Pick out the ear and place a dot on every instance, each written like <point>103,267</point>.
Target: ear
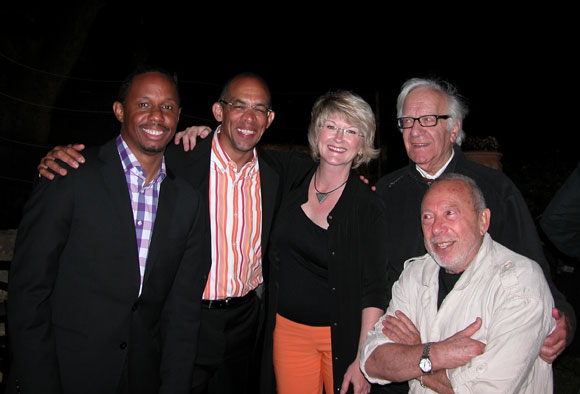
<point>455,132</point>
<point>218,111</point>
<point>484,220</point>
<point>271,117</point>
<point>118,110</point>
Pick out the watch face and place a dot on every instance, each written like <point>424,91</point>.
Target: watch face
<point>425,365</point>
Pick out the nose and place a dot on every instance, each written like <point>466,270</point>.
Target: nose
<point>339,135</point>
<point>156,114</point>
<point>249,114</point>
<point>417,129</point>
<point>438,226</point>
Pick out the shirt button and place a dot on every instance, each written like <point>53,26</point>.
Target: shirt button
<point>139,222</point>
<point>335,324</point>
<point>332,253</point>
<point>123,345</point>
<point>329,217</point>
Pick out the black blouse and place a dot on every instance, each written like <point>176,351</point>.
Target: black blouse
<point>303,294</point>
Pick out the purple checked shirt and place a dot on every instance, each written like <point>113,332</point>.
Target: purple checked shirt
<point>144,199</point>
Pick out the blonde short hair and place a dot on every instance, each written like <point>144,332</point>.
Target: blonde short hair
<point>354,110</point>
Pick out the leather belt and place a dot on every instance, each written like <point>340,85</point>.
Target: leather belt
<point>228,302</point>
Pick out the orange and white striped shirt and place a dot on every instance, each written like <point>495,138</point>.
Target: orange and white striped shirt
<point>235,210</point>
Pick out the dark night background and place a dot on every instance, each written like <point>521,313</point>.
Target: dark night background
<point>60,67</point>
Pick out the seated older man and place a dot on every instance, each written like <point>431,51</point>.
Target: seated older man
<point>475,326</point>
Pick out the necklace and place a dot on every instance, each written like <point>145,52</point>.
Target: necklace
<point>322,196</point>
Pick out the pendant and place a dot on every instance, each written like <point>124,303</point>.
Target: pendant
<point>321,197</point>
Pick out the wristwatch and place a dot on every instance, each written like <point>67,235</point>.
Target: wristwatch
<point>425,362</point>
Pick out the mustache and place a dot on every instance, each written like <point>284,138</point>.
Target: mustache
<point>440,240</point>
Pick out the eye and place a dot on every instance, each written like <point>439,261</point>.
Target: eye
<point>426,217</point>
<point>260,109</point>
<point>168,107</point>
<point>330,127</point>
<point>239,107</point>
<point>350,132</point>
<point>143,105</point>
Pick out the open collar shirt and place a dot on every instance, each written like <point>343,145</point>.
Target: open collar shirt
<point>144,200</point>
<point>510,294</point>
<point>235,209</point>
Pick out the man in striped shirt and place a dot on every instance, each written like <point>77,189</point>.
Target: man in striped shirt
<point>241,187</point>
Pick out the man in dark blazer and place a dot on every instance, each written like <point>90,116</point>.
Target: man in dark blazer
<point>228,350</point>
<point>102,301</point>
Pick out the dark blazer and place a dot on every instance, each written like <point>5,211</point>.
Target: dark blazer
<point>194,167</point>
<point>76,321</point>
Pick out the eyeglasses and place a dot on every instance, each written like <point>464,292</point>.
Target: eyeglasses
<point>345,132</point>
<point>241,107</point>
<point>407,122</point>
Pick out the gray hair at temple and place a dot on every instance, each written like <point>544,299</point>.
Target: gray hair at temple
<point>354,110</point>
<point>476,193</point>
<point>457,107</point>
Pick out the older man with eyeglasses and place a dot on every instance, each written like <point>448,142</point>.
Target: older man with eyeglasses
<point>430,117</point>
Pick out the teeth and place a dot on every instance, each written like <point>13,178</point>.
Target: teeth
<point>337,149</point>
<point>246,132</point>
<point>153,132</point>
<point>443,245</point>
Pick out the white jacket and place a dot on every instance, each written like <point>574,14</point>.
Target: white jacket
<point>508,291</point>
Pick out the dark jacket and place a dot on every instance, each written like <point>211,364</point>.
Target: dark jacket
<point>357,265</point>
<point>561,218</point>
<point>75,317</point>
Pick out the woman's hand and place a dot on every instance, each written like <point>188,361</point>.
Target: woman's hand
<point>354,375</point>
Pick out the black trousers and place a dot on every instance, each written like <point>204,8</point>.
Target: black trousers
<point>226,359</point>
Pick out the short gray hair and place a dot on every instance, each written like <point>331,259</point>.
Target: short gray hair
<point>457,106</point>
<point>476,194</point>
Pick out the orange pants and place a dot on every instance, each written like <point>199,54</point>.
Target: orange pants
<point>302,358</point>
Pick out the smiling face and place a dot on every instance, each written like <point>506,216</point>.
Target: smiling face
<point>429,147</point>
<point>452,229</point>
<point>150,114</point>
<point>338,147</point>
<point>242,129</point>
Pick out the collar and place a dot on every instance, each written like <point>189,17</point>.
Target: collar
<point>131,164</point>
<point>424,173</point>
<point>222,159</point>
<point>431,276</point>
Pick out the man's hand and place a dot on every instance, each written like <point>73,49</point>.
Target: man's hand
<point>354,375</point>
<point>438,382</point>
<point>189,135</point>
<point>400,329</point>
<point>68,154</point>
<point>555,343</point>
<point>365,180</point>
<point>458,349</point>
